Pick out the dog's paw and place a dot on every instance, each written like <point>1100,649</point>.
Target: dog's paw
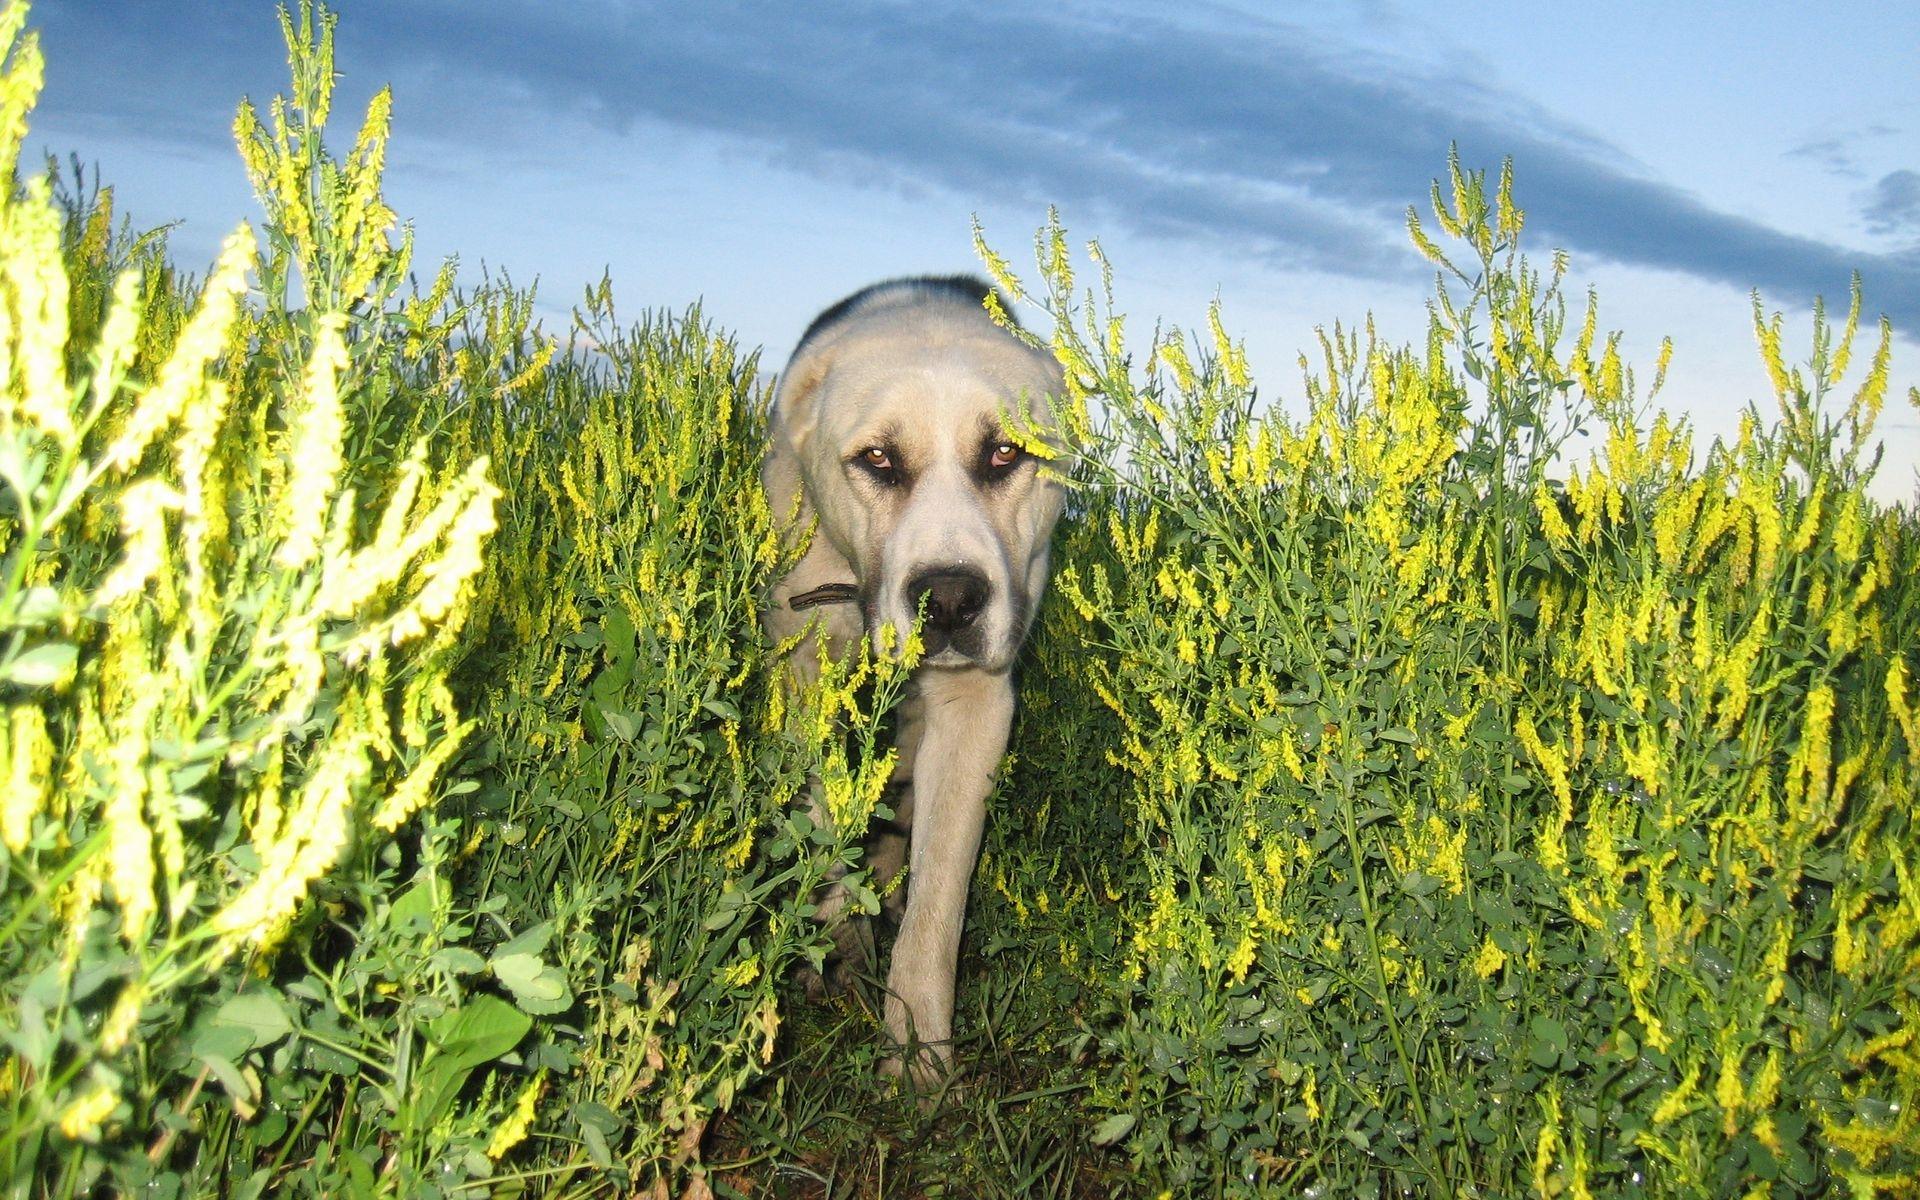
<point>851,957</point>
<point>835,978</point>
<point>925,1075</point>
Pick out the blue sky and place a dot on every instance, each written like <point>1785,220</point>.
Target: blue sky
<point>772,157</point>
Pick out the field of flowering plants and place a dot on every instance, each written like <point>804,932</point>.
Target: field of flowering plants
<point>1458,780</point>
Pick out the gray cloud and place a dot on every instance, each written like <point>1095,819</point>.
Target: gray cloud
<point>1838,153</point>
<point>1259,135</point>
<point>1834,155</point>
<point>1893,204</point>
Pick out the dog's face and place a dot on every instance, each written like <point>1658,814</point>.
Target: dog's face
<point>903,425</point>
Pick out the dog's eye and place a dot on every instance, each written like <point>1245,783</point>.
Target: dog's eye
<point>879,465</point>
<point>1003,455</point>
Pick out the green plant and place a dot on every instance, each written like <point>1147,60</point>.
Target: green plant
<point>1492,834</point>
<point>637,751</point>
<point>226,633</point>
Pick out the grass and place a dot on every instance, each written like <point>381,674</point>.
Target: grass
<point>823,1125</point>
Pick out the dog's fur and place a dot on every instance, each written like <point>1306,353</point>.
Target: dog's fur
<point>891,426</point>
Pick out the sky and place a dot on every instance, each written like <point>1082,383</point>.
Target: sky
<point>767,158</point>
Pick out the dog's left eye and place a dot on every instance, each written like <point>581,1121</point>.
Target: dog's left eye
<point>1003,455</point>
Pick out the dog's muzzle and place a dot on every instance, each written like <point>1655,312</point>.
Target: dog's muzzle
<point>950,600</point>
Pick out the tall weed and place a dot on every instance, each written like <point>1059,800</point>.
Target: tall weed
<point>1492,834</point>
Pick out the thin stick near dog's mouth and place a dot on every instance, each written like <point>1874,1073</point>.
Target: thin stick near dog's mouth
<point>826,593</point>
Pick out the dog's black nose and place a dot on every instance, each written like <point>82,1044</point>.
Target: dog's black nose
<point>951,597</point>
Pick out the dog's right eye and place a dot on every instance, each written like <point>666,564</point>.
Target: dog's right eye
<point>879,464</point>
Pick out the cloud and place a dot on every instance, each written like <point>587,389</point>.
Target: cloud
<point>1838,153</point>
<point>1893,204</point>
<point>1255,134</point>
<point>1834,155</point>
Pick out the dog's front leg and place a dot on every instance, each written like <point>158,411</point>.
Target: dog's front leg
<point>965,715</point>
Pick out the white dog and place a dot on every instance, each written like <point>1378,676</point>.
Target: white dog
<point>891,425</point>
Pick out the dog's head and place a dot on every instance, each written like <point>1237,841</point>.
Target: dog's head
<point>904,410</point>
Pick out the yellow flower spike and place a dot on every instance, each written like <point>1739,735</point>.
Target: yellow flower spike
<point>1865,405</point>
<point>25,768</point>
<point>314,455</point>
<point>411,793</point>
<point>81,1119</point>
<point>25,73</point>
<point>119,339</point>
<point>1490,959</point>
<point>513,1130</point>
<point>1848,529</point>
<point>1678,1101</point>
<point>118,1025</point>
<point>449,578</point>
<point>1768,334</point>
<point>1809,525</point>
<point>1728,1091</point>
<point>1552,523</point>
<point>33,281</point>
<point>1241,959</point>
<point>1421,242</point>
<point>143,523</point>
<point>1904,712</point>
<point>129,840</point>
<point>1547,1142</point>
<point>183,375</point>
<point>307,841</point>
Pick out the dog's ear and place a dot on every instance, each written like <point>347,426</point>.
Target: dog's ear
<point>796,410</point>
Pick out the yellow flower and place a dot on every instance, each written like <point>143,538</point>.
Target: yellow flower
<point>407,798</point>
<point>314,453</point>
<point>184,372</point>
<point>1728,1092</point>
<point>1675,1102</point>
<point>120,1020</point>
<point>1241,959</point>
<point>1903,712</point>
<point>514,1130</point>
<point>129,842</point>
<point>28,762</point>
<point>1489,960</point>
<point>81,1118</point>
<point>143,523</point>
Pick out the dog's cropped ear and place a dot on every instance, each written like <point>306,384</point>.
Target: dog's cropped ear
<point>796,410</point>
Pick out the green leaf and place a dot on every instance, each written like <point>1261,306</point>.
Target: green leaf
<point>531,940</point>
<point>326,1058</point>
<point>536,987</point>
<point>597,1148</point>
<point>38,606</point>
<point>619,639</point>
<point>42,666</point>
<point>459,960</point>
<point>417,903</point>
<point>260,1013</point>
<point>1112,1129</point>
<point>618,723</point>
<point>238,1084</point>
<point>478,1031</point>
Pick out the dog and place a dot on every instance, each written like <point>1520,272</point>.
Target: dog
<point>904,424</point>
